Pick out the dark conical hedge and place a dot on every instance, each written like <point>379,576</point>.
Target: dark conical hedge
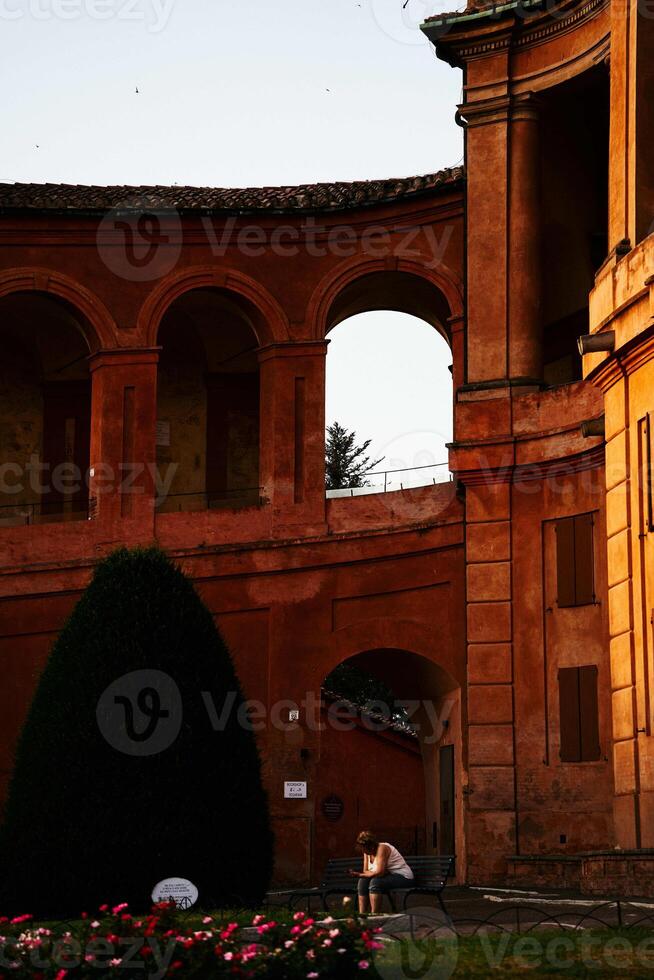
<point>95,815</point>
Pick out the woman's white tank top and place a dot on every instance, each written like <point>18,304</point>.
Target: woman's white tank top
<point>395,865</point>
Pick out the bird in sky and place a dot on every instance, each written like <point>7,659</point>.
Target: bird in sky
<point>137,90</point>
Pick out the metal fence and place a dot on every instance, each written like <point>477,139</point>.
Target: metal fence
<point>403,479</point>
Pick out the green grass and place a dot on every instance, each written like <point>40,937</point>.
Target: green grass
<point>598,953</point>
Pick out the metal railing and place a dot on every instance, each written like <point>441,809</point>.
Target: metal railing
<point>199,500</point>
<point>20,515</point>
<point>442,475</point>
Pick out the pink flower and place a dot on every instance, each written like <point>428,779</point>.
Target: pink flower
<point>228,956</point>
<point>334,933</point>
<point>207,919</point>
<point>363,964</point>
<point>298,916</point>
<point>312,975</point>
<point>289,943</point>
<point>257,919</point>
<point>61,975</point>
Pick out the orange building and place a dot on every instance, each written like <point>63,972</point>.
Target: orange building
<point>171,343</point>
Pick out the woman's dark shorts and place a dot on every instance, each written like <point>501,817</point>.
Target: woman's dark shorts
<point>383,884</point>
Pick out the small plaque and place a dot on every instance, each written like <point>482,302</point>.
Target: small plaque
<point>162,433</point>
<point>294,714</point>
<point>178,890</point>
<point>332,808</point>
<point>295,791</point>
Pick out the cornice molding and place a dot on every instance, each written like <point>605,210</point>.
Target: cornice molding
<point>517,32</point>
<point>518,473</point>
<point>625,361</point>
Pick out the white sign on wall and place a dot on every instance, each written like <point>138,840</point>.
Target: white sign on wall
<point>295,791</point>
<point>178,890</point>
<point>163,432</point>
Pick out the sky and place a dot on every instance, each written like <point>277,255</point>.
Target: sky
<point>246,92</point>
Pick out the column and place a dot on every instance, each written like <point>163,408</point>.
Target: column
<point>631,174</point>
<point>123,419</point>
<point>524,245</point>
<point>491,802</point>
<point>293,436</point>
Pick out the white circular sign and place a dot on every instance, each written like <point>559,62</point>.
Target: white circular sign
<point>178,890</point>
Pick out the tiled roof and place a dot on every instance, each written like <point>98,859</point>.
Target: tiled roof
<point>304,197</point>
<point>479,7</point>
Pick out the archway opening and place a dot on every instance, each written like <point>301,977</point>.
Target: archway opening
<point>390,756</point>
<point>45,410</point>
<point>389,380</point>
<point>208,403</point>
<point>574,202</point>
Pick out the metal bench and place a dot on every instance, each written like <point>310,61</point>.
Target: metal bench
<point>430,875</point>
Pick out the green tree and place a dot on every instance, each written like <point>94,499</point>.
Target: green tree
<point>346,463</point>
<point>364,690</point>
<point>123,777</point>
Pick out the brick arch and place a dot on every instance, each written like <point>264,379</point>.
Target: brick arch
<point>387,633</point>
<point>348,273</point>
<point>271,324</point>
<point>96,323</point>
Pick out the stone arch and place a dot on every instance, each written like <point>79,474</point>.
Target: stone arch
<point>387,633</point>
<point>322,305</point>
<point>96,323</point>
<point>417,663</point>
<point>269,322</point>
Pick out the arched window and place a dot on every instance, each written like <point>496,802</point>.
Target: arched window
<point>45,411</point>
<point>208,404</point>
<point>389,378</point>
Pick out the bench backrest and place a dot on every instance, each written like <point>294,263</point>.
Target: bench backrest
<point>429,870</point>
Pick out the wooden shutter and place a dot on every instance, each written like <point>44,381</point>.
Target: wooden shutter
<point>575,561</point>
<point>584,570</point>
<point>579,715</point>
<point>588,713</point>
<point>570,721</point>
<point>565,562</point>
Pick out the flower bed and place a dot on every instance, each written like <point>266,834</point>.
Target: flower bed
<point>116,944</point>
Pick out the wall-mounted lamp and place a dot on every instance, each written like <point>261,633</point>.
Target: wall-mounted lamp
<point>592,343</point>
<point>593,427</point>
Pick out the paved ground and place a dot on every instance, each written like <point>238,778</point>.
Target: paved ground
<point>517,910</point>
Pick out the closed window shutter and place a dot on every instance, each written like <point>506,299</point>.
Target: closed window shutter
<point>569,714</point>
<point>590,747</point>
<point>584,571</point>
<point>575,571</point>
<point>565,562</point>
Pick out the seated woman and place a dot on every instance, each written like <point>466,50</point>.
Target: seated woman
<point>384,868</point>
